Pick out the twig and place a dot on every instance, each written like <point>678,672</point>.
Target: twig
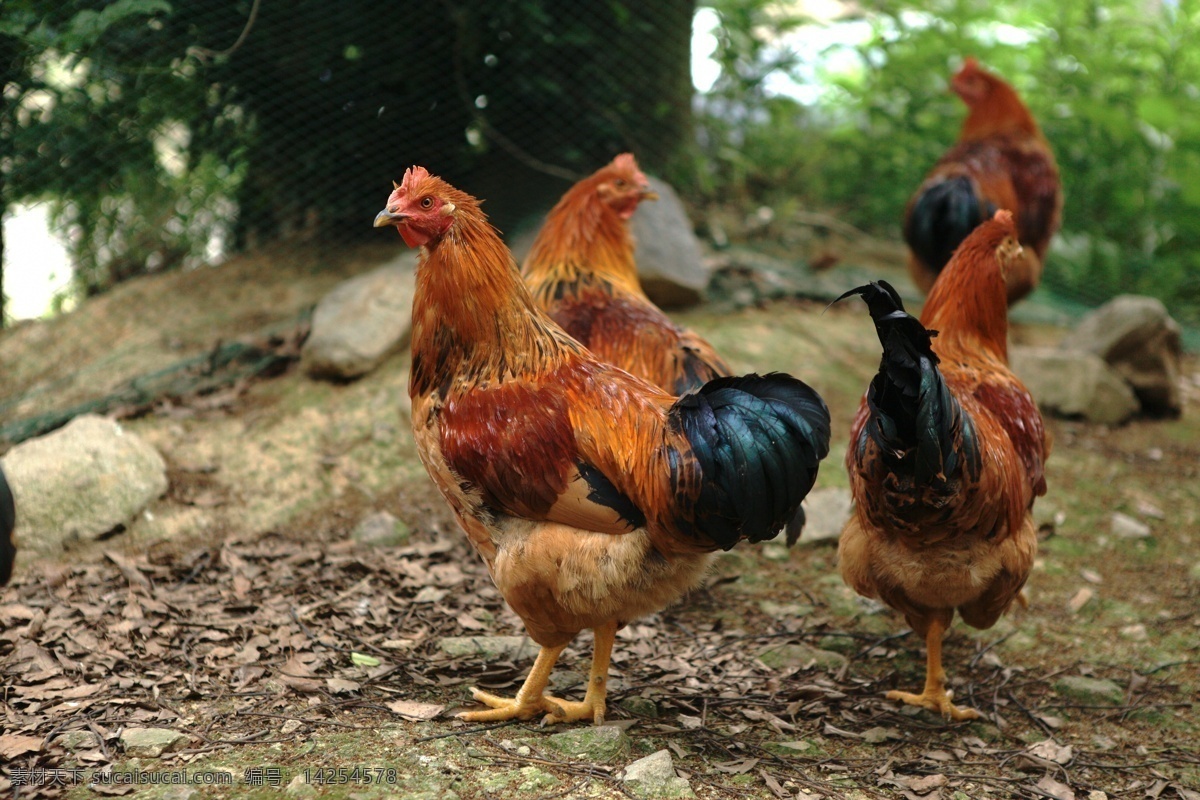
<point>203,52</point>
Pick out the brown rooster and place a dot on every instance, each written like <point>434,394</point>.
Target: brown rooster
<point>1001,160</point>
<point>593,496</point>
<point>582,271</point>
<point>946,456</point>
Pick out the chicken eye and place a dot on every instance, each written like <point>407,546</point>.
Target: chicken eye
<point>426,202</point>
<point>619,183</point>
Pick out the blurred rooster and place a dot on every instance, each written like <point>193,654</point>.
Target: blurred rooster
<point>593,496</point>
<point>946,456</point>
<point>1001,160</point>
<point>8,519</point>
<point>582,272</point>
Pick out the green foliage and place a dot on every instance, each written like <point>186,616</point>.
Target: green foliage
<point>1114,87</point>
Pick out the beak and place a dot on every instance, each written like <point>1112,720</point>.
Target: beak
<point>649,194</point>
<point>385,218</point>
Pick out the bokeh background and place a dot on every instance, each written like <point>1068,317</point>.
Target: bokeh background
<point>146,135</point>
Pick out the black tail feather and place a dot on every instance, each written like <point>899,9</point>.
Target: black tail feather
<point>915,420</point>
<point>8,518</point>
<point>942,216</point>
<point>758,442</point>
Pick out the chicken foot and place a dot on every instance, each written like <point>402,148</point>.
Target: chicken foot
<point>532,700</point>
<point>935,697</point>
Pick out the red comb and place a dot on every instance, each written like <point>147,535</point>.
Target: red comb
<point>412,176</point>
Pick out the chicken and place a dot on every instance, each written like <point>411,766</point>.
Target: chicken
<point>1001,160</point>
<point>8,519</point>
<point>946,456</point>
<point>593,496</point>
<point>582,272</point>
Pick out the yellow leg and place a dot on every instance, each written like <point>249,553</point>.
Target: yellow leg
<point>530,700</point>
<point>935,697</point>
<point>593,705</point>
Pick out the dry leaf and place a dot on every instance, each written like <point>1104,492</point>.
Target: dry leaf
<point>13,745</point>
<point>689,722</point>
<point>342,686</point>
<point>1052,751</point>
<point>1059,791</point>
<point>296,675</point>
<point>410,710</point>
<point>926,784</point>
<point>737,767</point>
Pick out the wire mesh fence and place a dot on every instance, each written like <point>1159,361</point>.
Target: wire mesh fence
<point>158,135</point>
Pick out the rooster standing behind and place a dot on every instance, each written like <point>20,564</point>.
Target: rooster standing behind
<point>1001,160</point>
<point>582,272</point>
<point>593,496</point>
<point>946,456</point>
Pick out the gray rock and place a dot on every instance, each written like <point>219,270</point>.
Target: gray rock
<point>1141,341</point>
<point>361,321</point>
<point>601,745</point>
<point>75,741</point>
<point>802,656</point>
<point>826,513</point>
<point>1089,690</point>
<point>179,793</point>
<point>1126,527</point>
<point>151,742</point>
<point>670,262</point>
<point>81,482</point>
<point>380,529</point>
<point>671,265</point>
<point>640,706</point>
<point>490,647</point>
<point>654,776</point>
<point>1074,384</point>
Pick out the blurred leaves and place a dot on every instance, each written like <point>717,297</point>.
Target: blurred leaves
<point>1115,87</point>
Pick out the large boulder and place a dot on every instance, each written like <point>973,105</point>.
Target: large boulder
<point>362,321</point>
<point>81,482</point>
<point>670,262</point>
<point>1140,340</point>
<point>671,265</point>
<point>1074,384</point>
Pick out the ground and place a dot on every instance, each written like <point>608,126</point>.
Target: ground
<point>242,613</point>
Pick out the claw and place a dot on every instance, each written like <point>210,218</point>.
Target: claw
<point>938,702</point>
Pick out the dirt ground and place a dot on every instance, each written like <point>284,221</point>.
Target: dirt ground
<point>295,659</point>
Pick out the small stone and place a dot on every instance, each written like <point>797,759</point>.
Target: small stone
<point>802,656</point>
<point>1126,527</point>
<point>1081,599</point>
<point>1147,509</point>
<point>654,776</point>
<point>826,513</point>
<point>489,647</point>
<point>601,745</point>
<point>300,787</point>
<point>74,741</point>
<point>1090,575</point>
<point>380,529</point>
<point>640,706</point>
<point>179,793</point>
<point>151,742</point>
<point>775,551</point>
<point>290,727</point>
<point>524,750</point>
<point>1096,794</point>
<point>1134,633</point>
<point>1090,690</point>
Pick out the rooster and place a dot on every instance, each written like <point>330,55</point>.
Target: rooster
<point>1001,160</point>
<point>8,519</point>
<point>582,272</point>
<point>593,496</point>
<point>946,456</point>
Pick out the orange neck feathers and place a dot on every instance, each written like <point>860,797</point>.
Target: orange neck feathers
<point>583,236</point>
<point>994,105</point>
<point>968,304</point>
<point>472,314</point>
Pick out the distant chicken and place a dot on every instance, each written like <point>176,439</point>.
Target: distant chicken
<point>582,272</point>
<point>946,456</point>
<point>1001,160</point>
<point>8,519</point>
<point>592,496</point>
